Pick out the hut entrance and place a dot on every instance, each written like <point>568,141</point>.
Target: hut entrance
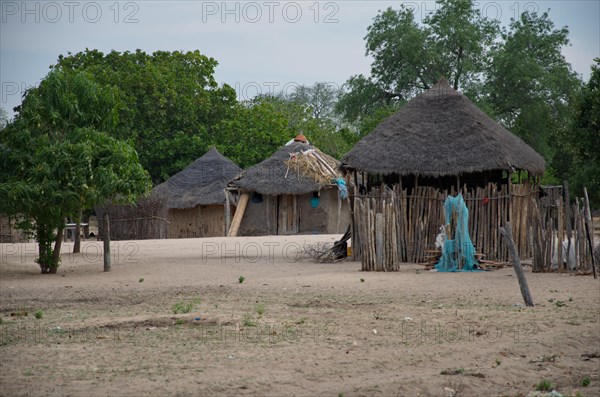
<point>287,214</point>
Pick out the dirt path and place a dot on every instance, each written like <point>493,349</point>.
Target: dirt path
<point>291,328</point>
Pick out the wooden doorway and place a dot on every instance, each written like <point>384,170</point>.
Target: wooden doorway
<point>288,217</point>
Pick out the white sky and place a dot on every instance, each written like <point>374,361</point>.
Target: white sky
<point>258,44</point>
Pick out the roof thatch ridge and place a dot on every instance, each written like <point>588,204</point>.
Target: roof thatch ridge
<point>269,176</point>
<point>441,132</point>
<point>201,183</point>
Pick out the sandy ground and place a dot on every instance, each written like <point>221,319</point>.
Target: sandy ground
<point>291,328</point>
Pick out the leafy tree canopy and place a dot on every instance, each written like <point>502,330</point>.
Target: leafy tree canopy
<point>56,160</point>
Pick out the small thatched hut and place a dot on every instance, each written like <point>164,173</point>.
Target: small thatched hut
<point>292,192</point>
<point>195,197</point>
<point>440,143</point>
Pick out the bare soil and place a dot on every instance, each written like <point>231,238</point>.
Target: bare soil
<point>290,328</point>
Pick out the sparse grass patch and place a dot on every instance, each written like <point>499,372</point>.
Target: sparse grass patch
<point>260,309</point>
<point>544,385</point>
<point>585,382</point>
<point>39,313</point>
<point>182,307</point>
<point>248,320</point>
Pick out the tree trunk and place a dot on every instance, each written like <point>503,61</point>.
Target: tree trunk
<point>106,240</point>
<point>56,252</point>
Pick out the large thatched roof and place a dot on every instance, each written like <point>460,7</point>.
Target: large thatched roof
<point>202,183</point>
<point>441,132</point>
<point>276,175</point>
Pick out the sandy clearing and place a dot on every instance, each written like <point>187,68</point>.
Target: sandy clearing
<point>291,328</point>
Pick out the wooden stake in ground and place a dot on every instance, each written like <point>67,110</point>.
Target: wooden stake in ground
<point>506,232</point>
<point>590,237</point>
<point>106,240</point>
<point>239,214</point>
<point>569,264</point>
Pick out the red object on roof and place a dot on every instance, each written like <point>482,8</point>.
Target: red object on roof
<point>300,138</point>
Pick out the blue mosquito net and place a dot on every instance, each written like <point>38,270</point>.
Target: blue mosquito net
<point>458,254</point>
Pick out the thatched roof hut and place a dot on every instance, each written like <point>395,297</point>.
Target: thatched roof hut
<point>441,133</point>
<point>278,175</point>
<point>292,192</point>
<point>202,183</point>
<point>195,197</point>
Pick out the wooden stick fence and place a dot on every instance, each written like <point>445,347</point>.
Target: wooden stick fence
<point>144,220</point>
<point>393,226</point>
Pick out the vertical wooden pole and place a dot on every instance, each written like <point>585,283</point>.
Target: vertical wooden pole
<point>589,229</point>
<point>227,212</point>
<point>568,217</point>
<point>77,243</point>
<point>106,240</point>
<point>507,234</point>
<point>559,233</point>
<point>379,225</point>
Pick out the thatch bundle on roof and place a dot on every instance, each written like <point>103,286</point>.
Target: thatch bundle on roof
<point>297,168</point>
<point>300,194</point>
<point>441,132</point>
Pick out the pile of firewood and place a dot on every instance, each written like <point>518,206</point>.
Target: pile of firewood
<point>432,257</point>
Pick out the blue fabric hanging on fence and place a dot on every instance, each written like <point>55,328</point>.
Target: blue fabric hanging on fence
<point>460,250</point>
<point>343,190</point>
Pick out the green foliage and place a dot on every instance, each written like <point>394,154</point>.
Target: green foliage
<point>585,382</point>
<point>453,42</point>
<point>530,85</point>
<point>55,160</point>
<point>39,313</point>
<point>241,279</point>
<point>3,118</point>
<point>182,307</point>
<point>579,157</point>
<point>254,133</point>
<point>248,320</point>
<point>545,385</point>
<point>168,102</point>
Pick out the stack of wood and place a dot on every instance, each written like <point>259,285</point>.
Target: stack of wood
<point>432,257</point>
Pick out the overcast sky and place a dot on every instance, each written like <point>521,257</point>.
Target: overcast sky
<point>260,45</point>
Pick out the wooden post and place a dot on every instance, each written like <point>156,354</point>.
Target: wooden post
<point>588,226</point>
<point>559,233</point>
<point>379,225</point>
<point>106,240</point>
<point>239,214</point>
<point>227,212</point>
<point>77,244</point>
<point>506,232</point>
<point>538,256</point>
<point>568,217</point>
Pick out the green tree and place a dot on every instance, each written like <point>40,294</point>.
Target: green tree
<point>3,118</point>
<point>56,160</point>
<point>531,86</point>
<point>454,42</point>
<point>579,151</point>
<point>297,114</point>
<point>169,103</point>
<point>320,97</point>
<point>258,129</point>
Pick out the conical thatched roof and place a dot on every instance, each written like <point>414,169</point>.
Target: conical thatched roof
<point>269,176</point>
<point>441,132</point>
<point>202,183</point>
